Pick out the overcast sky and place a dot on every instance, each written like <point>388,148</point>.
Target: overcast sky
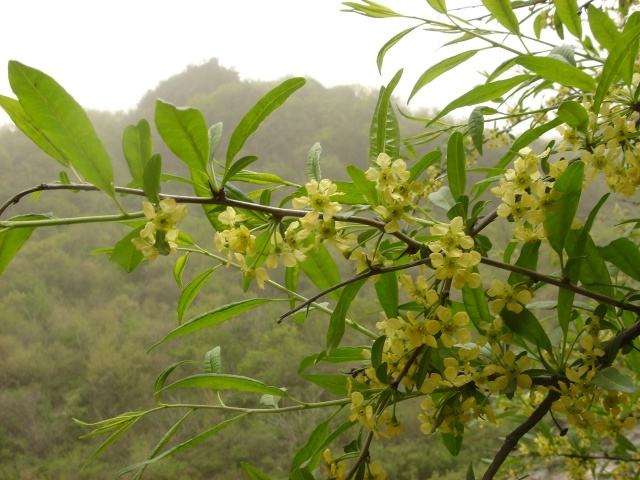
<point>108,54</point>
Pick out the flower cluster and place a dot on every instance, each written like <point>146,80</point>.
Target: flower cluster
<point>159,235</point>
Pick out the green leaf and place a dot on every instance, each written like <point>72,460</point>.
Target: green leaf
<point>503,13</point>
<point>313,162</point>
<point>377,349</point>
<point>178,268</point>
<point>384,133</point>
<point>603,28</point>
<point>192,442</point>
<point>568,10</point>
<point>166,438</point>
<point>337,321</point>
<point>574,115</point>
<point>310,448</point>
<point>433,72</point>
<point>185,133</point>
<point>470,473</point>
<point>387,291</point>
<point>615,60</point>
<point>527,326</point>
<point>190,292</point>
<point>452,442</point>
<point>253,473</point>
<point>390,43</point>
<point>624,254</point>
<point>439,6</point>
<point>566,197</point>
<point>213,317</point>
<point>483,93</point>
<point>442,198</point>
<point>555,70</point>
<point>528,259</point>
<point>136,146</point>
<point>161,379</point>
<point>125,254</point>
<point>425,162</point>
<point>214,134</point>
<point>237,167</point>
<point>334,384</point>
<point>365,186</point>
<point>456,164</point>
<point>611,378</point>
<point>12,240</point>
<point>476,128</point>
<point>476,305</point>
<point>213,360</point>
<point>593,271</point>
<point>151,178</point>
<point>258,113</point>
<point>219,381</point>
<point>21,120</point>
<point>59,118</point>
<point>121,430</point>
<point>321,269</point>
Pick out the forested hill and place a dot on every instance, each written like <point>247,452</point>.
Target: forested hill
<point>74,328</point>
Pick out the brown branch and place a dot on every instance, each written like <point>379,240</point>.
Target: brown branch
<point>219,199</point>
<point>367,274</point>
<point>482,224</point>
<point>613,458</point>
<point>562,284</point>
<point>514,437</point>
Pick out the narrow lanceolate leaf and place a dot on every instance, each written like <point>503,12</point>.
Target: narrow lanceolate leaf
<point>612,379</point>
<point>21,120</point>
<point>616,59</point>
<point>456,165</point>
<point>365,186</point>
<point>476,128</point>
<point>555,70</point>
<point>215,134</point>
<point>11,241</point>
<point>567,10</point>
<point>566,197</point>
<point>151,178</point>
<point>60,119</point>
<point>253,473</point>
<point>236,167</point>
<point>476,305</point>
<point>217,381</point>
<point>185,133</point>
<point>213,317</point>
<point>439,6</point>
<point>574,115</point>
<point>439,68</point>
<point>387,292</point>
<point>321,269</point>
<point>178,268</point>
<point>136,146</point>
<point>192,442</point>
<point>191,291</point>
<point>337,321</point>
<point>213,360</point>
<point>313,162</point>
<point>125,254</point>
<point>603,28</point>
<point>384,133</point>
<point>483,93</point>
<point>258,113</point>
<point>622,253</point>
<point>390,43</point>
<point>503,13</point>
<point>527,326</point>
<point>311,448</point>
<point>528,259</point>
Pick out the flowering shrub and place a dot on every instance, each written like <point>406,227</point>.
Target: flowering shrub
<point>470,329</point>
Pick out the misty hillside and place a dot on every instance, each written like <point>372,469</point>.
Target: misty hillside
<point>74,328</point>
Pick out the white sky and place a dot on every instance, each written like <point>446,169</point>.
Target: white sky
<point>108,54</point>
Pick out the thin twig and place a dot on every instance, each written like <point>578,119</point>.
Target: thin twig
<point>514,437</point>
<point>562,284</point>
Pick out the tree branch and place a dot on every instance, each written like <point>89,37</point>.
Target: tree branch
<point>219,199</point>
<point>514,437</point>
<point>562,284</point>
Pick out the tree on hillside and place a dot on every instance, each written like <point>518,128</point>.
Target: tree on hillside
<point>538,330</point>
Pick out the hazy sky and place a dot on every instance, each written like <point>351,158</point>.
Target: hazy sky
<point>108,54</point>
